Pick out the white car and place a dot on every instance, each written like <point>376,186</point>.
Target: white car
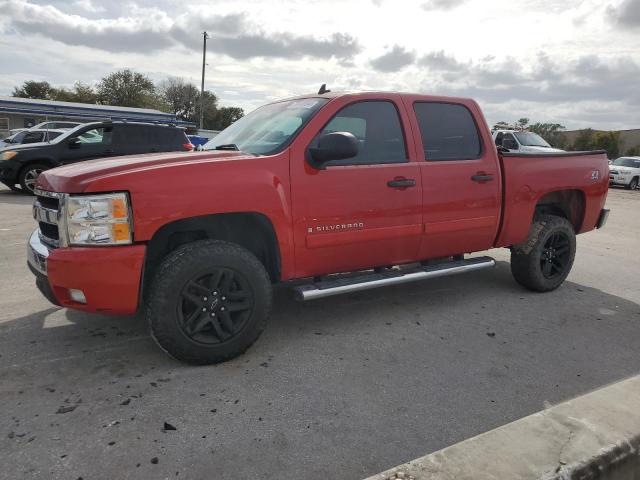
<point>31,136</point>
<point>625,171</point>
<point>522,142</point>
<point>55,125</point>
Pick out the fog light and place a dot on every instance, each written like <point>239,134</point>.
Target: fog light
<point>77,295</point>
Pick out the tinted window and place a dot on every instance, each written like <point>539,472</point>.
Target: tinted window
<point>376,126</point>
<point>448,131</point>
<point>509,142</point>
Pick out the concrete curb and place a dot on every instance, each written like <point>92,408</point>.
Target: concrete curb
<point>593,436</point>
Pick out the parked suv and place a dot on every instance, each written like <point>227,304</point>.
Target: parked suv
<point>625,171</point>
<point>21,164</point>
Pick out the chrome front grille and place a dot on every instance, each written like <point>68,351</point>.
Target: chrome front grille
<point>47,211</point>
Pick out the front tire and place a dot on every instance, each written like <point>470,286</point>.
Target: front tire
<point>633,184</point>
<point>29,176</point>
<point>544,261</point>
<point>209,301</point>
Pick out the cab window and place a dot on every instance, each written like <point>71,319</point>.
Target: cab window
<point>376,125</point>
<point>448,131</point>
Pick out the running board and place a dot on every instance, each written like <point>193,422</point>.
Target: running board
<point>327,288</point>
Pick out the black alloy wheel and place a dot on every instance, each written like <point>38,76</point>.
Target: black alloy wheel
<point>544,260</point>
<point>208,301</point>
<point>556,255</point>
<point>216,306</point>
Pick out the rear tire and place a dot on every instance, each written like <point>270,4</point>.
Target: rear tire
<point>544,261</point>
<point>209,301</point>
<point>29,175</point>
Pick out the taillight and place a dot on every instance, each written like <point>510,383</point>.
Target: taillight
<point>188,147</point>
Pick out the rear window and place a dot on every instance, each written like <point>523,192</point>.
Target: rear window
<point>448,131</point>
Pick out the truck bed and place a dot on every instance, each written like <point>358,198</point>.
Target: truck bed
<point>529,178</point>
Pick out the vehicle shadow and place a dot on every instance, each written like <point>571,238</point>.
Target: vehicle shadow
<point>397,372</point>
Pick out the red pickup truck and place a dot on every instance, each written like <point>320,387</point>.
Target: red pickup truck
<point>339,192</point>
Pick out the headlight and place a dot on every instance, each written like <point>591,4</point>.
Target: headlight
<point>98,219</point>
<point>7,155</point>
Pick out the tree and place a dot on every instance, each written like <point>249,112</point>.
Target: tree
<point>609,141</point>
<point>181,97</point>
<point>502,126</point>
<point>551,132</point>
<point>33,89</point>
<point>522,123</point>
<point>226,116</point>
<point>586,140</point>
<point>210,110</point>
<point>81,93</point>
<point>126,88</point>
<point>633,151</point>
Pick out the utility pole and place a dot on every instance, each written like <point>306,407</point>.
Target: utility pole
<point>204,60</point>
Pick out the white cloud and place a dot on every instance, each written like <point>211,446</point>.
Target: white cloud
<point>88,6</point>
<point>550,60</point>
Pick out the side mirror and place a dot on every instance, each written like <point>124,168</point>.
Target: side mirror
<point>334,146</point>
<point>74,142</point>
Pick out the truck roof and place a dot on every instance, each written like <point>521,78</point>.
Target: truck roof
<point>366,93</point>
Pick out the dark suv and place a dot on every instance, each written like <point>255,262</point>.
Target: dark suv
<point>21,164</point>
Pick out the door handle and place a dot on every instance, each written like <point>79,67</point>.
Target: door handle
<point>481,177</point>
<point>400,182</point>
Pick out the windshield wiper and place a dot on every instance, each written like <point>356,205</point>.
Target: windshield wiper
<point>227,146</point>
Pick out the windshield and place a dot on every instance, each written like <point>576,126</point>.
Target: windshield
<point>627,162</point>
<point>268,129</point>
<point>529,139</point>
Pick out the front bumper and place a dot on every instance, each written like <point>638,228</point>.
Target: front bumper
<point>109,277</point>
<point>620,179</point>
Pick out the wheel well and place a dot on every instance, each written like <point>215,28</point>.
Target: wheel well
<point>31,162</point>
<point>252,231</point>
<point>569,204</point>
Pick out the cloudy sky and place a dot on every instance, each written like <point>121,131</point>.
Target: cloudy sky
<point>576,62</point>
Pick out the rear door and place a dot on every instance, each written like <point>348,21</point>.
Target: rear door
<point>359,212</point>
<point>460,176</point>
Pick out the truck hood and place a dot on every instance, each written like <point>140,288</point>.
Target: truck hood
<point>76,178</point>
<point>20,147</point>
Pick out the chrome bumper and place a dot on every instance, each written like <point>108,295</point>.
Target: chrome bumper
<point>37,253</point>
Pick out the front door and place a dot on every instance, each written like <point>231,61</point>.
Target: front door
<point>91,143</point>
<point>363,211</point>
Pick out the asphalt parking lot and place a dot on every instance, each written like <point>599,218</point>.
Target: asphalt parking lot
<point>337,388</point>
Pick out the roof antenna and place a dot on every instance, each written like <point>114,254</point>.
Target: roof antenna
<point>323,89</point>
